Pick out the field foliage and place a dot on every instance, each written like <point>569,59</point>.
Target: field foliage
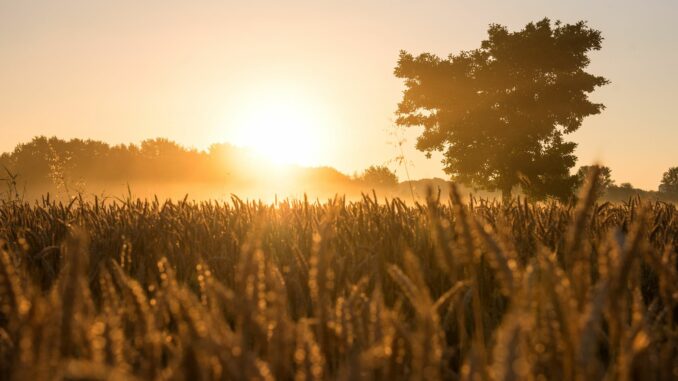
<point>144,289</point>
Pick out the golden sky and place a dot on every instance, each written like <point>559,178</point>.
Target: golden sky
<point>209,71</point>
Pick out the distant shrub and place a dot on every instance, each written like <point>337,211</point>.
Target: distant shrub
<point>379,176</point>
<point>604,179</point>
<point>669,183</point>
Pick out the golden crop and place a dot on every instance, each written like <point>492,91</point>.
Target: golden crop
<point>297,290</point>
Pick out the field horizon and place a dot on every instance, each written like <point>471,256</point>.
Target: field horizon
<point>64,169</point>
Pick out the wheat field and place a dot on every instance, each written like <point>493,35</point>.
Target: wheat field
<point>373,289</point>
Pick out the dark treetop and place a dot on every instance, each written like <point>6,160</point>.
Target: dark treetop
<point>498,113</point>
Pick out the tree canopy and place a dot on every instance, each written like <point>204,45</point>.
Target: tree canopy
<point>669,183</point>
<point>499,113</point>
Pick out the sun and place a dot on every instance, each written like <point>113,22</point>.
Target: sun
<point>283,126</point>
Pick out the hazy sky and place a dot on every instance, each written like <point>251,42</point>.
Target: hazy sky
<point>200,72</point>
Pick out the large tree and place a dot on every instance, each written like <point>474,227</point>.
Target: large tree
<point>498,113</point>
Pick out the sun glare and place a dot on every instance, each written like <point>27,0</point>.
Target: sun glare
<point>284,127</point>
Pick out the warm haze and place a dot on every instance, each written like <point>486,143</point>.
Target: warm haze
<point>209,71</point>
<point>338,190</point>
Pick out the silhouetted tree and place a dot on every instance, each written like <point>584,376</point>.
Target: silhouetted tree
<point>669,183</point>
<point>379,176</point>
<point>498,113</point>
<point>604,174</point>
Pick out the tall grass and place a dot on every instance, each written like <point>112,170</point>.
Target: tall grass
<point>296,290</point>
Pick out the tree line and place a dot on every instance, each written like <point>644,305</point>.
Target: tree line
<point>73,164</point>
<point>42,159</point>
